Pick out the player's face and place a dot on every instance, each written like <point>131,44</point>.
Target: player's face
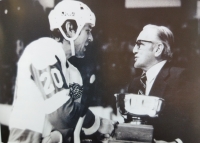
<point>144,49</point>
<point>83,40</point>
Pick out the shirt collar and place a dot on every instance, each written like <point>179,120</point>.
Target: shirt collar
<point>154,70</point>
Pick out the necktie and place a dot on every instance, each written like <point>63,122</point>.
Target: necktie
<point>143,79</point>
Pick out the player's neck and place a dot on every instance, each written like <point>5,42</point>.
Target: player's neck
<point>67,49</point>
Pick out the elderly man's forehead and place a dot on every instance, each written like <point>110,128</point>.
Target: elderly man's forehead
<point>148,34</point>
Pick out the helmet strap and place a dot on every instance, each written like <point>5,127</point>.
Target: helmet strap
<point>70,40</point>
<point>72,47</point>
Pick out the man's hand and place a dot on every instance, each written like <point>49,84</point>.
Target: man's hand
<point>161,141</point>
<point>54,137</point>
<point>106,129</point>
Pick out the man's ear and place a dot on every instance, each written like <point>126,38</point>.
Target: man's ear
<point>158,50</point>
<point>70,29</point>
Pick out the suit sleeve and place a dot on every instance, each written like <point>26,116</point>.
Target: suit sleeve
<point>180,110</point>
<point>188,102</point>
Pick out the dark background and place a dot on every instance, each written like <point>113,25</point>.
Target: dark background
<point>110,56</point>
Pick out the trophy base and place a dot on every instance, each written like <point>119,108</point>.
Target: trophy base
<point>130,133</point>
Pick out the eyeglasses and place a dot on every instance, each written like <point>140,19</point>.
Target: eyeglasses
<point>139,42</point>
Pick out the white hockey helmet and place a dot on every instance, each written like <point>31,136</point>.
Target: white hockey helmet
<point>71,10</point>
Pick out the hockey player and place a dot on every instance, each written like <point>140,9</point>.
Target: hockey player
<point>48,92</point>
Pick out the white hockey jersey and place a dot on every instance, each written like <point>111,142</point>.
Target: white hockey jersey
<point>43,84</point>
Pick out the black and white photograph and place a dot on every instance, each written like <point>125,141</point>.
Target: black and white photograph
<point>99,71</point>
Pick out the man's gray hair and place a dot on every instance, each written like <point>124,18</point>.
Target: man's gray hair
<point>167,38</point>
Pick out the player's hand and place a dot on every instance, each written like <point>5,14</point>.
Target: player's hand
<point>54,137</point>
<point>106,129</point>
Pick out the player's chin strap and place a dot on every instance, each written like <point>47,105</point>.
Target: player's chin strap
<point>72,47</point>
<point>71,40</point>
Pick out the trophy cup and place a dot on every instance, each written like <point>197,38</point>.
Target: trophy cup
<point>135,109</point>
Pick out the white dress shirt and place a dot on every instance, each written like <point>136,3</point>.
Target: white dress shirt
<point>151,75</point>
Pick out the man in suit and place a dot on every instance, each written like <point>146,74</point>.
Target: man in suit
<point>153,53</point>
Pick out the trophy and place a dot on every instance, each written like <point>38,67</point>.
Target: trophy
<point>136,109</point>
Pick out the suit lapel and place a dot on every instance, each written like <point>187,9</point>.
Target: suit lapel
<point>160,83</point>
<point>134,86</point>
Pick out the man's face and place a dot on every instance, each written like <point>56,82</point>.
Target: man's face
<point>144,49</point>
<point>83,40</point>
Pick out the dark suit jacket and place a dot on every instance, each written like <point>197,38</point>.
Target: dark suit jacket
<point>175,119</point>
